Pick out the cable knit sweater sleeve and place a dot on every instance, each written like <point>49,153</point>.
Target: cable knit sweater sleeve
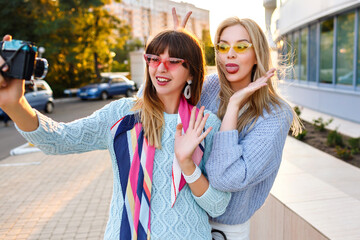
<point>213,201</point>
<point>82,135</point>
<point>237,162</point>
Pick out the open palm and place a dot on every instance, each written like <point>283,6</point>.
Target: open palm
<point>240,96</point>
<point>185,144</point>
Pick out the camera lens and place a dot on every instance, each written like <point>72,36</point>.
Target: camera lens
<point>41,68</point>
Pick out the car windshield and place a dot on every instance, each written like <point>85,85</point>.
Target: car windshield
<point>104,80</point>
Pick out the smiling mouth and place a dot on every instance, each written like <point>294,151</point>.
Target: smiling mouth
<point>160,79</point>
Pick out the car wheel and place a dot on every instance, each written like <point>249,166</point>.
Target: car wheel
<point>49,108</point>
<point>129,93</point>
<point>104,96</point>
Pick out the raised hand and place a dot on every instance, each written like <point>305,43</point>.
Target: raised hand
<point>185,144</point>
<point>176,21</point>
<point>239,97</point>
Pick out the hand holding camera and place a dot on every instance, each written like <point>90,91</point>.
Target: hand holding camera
<point>21,63</point>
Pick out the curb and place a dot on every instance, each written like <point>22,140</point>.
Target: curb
<point>24,149</point>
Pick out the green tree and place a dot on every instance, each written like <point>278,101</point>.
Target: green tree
<point>78,36</point>
<point>208,47</point>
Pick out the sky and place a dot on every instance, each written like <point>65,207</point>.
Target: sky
<point>221,9</point>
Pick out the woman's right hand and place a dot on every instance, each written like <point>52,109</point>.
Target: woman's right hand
<point>11,90</point>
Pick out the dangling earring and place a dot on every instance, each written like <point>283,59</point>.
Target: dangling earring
<point>187,90</point>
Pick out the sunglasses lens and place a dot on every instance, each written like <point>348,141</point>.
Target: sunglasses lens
<point>223,47</point>
<point>152,60</point>
<point>170,63</point>
<point>241,47</point>
<point>173,63</point>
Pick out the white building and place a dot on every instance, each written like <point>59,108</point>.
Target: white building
<point>322,36</point>
<point>148,17</point>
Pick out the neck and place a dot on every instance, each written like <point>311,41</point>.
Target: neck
<point>171,103</point>
<point>243,83</point>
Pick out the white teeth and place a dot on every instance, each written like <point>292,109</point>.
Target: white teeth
<point>163,79</point>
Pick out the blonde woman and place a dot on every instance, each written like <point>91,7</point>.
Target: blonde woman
<point>150,194</point>
<point>247,150</point>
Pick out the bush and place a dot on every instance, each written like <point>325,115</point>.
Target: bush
<point>335,139</point>
<point>297,110</point>
<point>343,153</point>
<point>320,124</point>
<point>354,144</point>
<point>301,136</point>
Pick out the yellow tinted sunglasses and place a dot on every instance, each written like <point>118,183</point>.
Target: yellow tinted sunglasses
<point>239,47</point>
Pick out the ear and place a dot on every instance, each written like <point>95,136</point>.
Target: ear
<point>190,77</point>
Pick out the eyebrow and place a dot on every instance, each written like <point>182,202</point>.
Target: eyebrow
<point>241,40</point>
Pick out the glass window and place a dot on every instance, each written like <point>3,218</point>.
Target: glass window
<point>312,53</point>
<point>358,58</point>
<point>117,80</point>
<point>40,86</point>
<point>295,53</point>
<point>29,87</point>
<point>345,49</point>
<point>282,58</point>
<point>303,59</point>
<point>326,50</point>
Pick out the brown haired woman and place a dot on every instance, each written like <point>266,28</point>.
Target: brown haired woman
<point>150,194</point>
<point>247,151</point>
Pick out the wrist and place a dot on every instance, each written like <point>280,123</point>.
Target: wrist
<point>234,104</point>
<point>195,175</point>
<point>188,167</point>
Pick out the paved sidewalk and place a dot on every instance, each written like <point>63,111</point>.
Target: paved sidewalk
<point>55,197</point>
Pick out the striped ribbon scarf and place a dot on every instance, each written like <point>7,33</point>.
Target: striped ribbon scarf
<point>136,172</point>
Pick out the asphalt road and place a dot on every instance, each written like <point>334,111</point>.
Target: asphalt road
<point>66,110</point>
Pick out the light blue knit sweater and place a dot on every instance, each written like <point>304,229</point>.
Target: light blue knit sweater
<point>188,218</point>
<point>245,163</point>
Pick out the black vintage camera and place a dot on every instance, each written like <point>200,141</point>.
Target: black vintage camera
<point>21,57</point>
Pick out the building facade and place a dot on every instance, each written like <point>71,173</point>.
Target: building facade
<point>148,17</point>
<point>320,40</point>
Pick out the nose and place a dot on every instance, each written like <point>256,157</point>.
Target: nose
<point>162,67</point>
<point>231,54</point>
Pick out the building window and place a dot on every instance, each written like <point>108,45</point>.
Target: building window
<point>295,54</point>
<point>345,49</point>
<point>303,57</point>
<point>164,19</point>
<point>312,53</point>
<point>326,50</point>
<point>358,53</point>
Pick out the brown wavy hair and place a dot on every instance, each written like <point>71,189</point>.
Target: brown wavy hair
<point>180,44</point>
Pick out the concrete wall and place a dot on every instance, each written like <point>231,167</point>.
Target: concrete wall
<point>137,67</point>
<point>294,14</point>
<point>275,221</point>
<point>342,104</point>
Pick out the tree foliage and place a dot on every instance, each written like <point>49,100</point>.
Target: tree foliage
<point>208,48</point>
<point>78,36</point>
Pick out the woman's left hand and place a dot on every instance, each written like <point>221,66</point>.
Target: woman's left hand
<point>239,97</point>
<point>185,144</point>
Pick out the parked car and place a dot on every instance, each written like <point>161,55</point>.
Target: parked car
<point>108,87</point>
<point>39,95</point>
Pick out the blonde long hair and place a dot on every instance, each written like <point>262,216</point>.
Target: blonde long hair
<point>180,44</point>
<point>262,98</point>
